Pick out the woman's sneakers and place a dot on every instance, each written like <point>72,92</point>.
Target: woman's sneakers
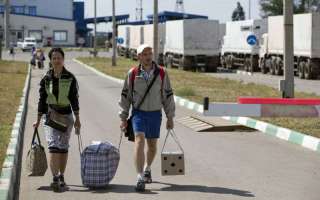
<point>61,181</point>
<point>147,176</point>
<point>58,183</point>
<point>55,184</point>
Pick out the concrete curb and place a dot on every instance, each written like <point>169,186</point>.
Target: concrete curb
<point>291,136</point>
<point>10,176</point>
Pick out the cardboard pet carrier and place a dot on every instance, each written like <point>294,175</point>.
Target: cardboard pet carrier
<point>172,163</point>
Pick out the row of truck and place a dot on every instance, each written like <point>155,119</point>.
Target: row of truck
<point>204,45</point>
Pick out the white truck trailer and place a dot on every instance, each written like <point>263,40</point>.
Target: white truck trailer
<point>235,51</point>
<point>192,44</point>
<point>124,34</point>
<point>306,46</point>
<point>136,39</point>
<point>148,39</point>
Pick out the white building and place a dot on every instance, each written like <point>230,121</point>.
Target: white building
<point>49,21</point>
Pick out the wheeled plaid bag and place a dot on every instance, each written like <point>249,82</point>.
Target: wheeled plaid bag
<point>99,163</point>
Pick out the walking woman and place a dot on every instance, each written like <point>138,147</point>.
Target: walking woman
<point>58,99</point>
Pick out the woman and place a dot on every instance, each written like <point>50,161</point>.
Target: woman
<point>58,99</point>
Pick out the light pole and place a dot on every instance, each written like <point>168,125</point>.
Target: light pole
<point>114,27</point>
<point>155,31</point>
<point>288,49</point>
<point>249,9</point>
<point>6,23</point>
<point>95,30</point>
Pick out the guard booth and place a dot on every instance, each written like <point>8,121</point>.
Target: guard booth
<point>104,37</point>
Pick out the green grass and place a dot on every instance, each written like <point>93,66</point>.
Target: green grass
<point>195,86</point>
<point>12,78</point>
<point>185,92</point>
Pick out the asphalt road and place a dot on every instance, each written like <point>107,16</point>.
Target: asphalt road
<point>220,165</point>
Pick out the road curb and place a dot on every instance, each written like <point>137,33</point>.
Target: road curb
<point>309,142</point>
<point>10,176</point>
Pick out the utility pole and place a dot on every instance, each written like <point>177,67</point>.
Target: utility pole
<point>249,9</point>
<point>155,31</point>
<point>7,23</point>
<point>139,11</point>
<point>114,27</point>
<point>288,49</point>
<point>95,30</point>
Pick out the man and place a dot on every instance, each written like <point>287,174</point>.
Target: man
<point>147,117</point>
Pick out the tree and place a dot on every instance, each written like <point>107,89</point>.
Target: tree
<point>275,7</point>
<point>308,6</point>
<point>271,7</point>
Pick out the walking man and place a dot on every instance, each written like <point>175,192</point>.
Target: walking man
<point>146,112</point>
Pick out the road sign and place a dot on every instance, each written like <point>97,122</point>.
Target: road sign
<point>252,40</point>
<point>120,40</point>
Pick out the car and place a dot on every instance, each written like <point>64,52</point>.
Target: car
<point>28,43</point>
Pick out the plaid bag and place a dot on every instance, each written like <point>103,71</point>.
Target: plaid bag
<point>99,163</point>
<point>36,157</point>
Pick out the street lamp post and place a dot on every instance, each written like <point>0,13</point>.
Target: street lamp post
<point>95,30</point>
<point>114,32</point>
<point>249,9</point>
<point>155,31</point>
<point>6,23</point>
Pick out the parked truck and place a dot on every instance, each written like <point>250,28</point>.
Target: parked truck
<point>148,39</point>
<point>192,44</point>
<point>306,46</point>
<point>136,39</point>
<point>124,35</point>
<point>236,52</point>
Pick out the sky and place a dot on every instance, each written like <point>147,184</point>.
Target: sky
<point>215,9</point>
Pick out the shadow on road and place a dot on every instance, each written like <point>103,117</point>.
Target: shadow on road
<point>203,189</point>
<point>117,188</point>
<point>112,188</point>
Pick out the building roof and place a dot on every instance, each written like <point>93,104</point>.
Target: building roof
<point>40,16</point>
<point>169,15</point>
<point>119,19</point>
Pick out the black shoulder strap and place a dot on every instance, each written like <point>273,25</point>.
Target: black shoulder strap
<point>156,73</point>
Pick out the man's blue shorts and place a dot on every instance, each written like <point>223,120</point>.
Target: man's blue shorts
<point>147,122</point>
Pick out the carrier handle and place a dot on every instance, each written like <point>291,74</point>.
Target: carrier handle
<point>175,138</point>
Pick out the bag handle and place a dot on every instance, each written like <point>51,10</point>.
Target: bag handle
<point>121,136</point>
<point>175,138</point>
<point>80,144</point>
<point>35,133</point>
